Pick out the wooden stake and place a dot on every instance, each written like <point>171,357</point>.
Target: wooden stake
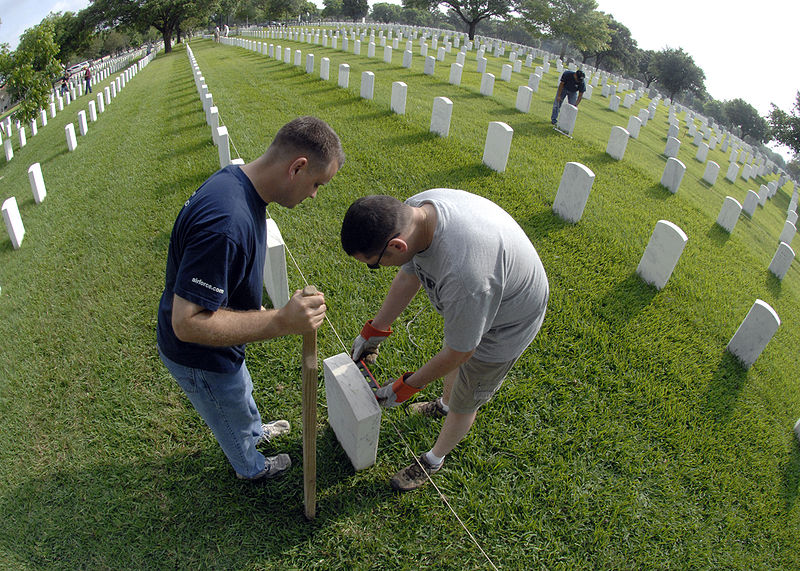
<point>310,418</point>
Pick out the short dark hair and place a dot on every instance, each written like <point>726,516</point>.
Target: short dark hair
<point>370,222</point>
<point>312,136</point>
<point>579,74</point>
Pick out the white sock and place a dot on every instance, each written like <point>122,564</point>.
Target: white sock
<point>433,459</point>
<point>444,406</point>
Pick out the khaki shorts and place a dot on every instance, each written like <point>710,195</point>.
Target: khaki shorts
<point>476,384</point>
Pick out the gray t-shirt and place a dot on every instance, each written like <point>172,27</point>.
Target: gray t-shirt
<point>482,274</point>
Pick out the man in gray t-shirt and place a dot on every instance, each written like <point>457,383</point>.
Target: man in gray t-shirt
<point>481,273</point>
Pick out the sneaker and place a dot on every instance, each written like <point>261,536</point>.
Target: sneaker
<point>432,408</point>
<point>274,467</point>
<point>415,475</point>
<point>272,429</point>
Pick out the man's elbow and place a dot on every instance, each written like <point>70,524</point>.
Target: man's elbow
<point>182,329</point>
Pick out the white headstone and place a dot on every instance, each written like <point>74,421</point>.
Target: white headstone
<point>788,232</point>
<point>673,174</point>
<point>524,97</point>
<point>72,142</point>
<point>367,85</point>
<point>672,148</point>
<point>505,74</point>
<point>407,55</point>
<point>16,231</point>
<point>617,142</point>
<point>702,152</point>
<point>733,172</point>
<point>754,333</point>
<point>43,117</point>
<point>711,173</point>
<point>9,149</point>
<point>399,91</point>
<point>309,63</point>
<point>614,103</point>
<point>440,117</point>
<point>22,138</point>
<point>456,71</point>
<point>644,116</point>
<point>344,75</point>
<point>37,182</point>
<point>750,203</point>
<point>430,65</point>
<point>533,81</point>
<point>276,279</point>
<point>325,68</point>
<point>567,117</point>
<point>82,125</point>
<point>487,84</point>
<point>782,260</point>
<point>353,411</point>
<point>634,125</point>
<point>729,214</point>
<point>573,192</point>
<point>497,146</point>
<point>387,54</point>
<point>481,65</point>
<point>223,147</point>
<point>92,111</point>
<point>662,254</point>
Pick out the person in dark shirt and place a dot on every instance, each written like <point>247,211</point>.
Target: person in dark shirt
<point>211,304</point>
<point>570,87</point>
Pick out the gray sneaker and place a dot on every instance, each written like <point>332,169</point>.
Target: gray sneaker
<point>270,430</point>
<point>432,408</point>
<point>415,475</point>
<point>274,467</point>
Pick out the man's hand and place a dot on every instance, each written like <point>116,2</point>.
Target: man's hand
<point>303,314</point>
<point>398,392</point>
<point>365,346</point>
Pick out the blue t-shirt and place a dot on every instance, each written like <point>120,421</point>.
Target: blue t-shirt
<point>572,83</point>
<point>216,260</point>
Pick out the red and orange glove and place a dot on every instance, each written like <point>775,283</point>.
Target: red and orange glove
<point>396,393</point>
<point>365,346</point>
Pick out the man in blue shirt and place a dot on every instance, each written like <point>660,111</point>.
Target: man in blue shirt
<point>570,87</point>
<point>211,305</point>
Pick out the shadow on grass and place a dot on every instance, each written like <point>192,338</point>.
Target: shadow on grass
<point>791,477</point>
<point>658,191</point>
<point>543,224</point>
<point>718,235</point>
<point>175,512</point>
<point>773,284</point>
<point>625,300</point>
<point>724,388</point>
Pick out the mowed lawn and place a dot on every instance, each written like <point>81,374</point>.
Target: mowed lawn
<point>626,437</point>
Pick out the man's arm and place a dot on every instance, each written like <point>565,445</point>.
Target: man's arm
<point>403,289</point>
<point>440,364</point>
<point>580,96</point>
<point>560,89</point>
<point>193,323</point>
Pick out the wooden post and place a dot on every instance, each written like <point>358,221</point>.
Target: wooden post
<point>310,418</point>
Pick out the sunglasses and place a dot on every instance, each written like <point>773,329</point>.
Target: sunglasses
<point>377,263</point>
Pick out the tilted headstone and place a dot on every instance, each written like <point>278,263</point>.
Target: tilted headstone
<point>497,146</point>
<point>223,147</point>
<point>782,260</point>
<point>754,333</point>
<point>673,130</point>
<point>367,85</point>
<point>634,125</point>
<point>573,192</point>
<point>673,174</point>
<point>487,84</point>
<point>481,65</point>
<point>750,203</point>
<point>729,214</point>
<point>399,91</point>
<point>16,231</point>
<point>276,279</point>
<point>788,232</point>
<point>83,127</point>
<point>662,254</point>
<point>37,182</point>
<point>353,411</point>
<point>505,74</point>
<point>614,103</point>
<point>567,117</point>
<point>440,116</point>
<point>711,173</point>
<point>524,97</point>
<point>733,172</point>
<point>72,142</point>
<point>533,81</point>
<point>672,148</point>
<point>702,152</point>
<point>617,142</point>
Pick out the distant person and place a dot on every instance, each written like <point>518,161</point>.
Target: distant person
<point>211,304</point>
<point>64,85</point>
<point>216,34</point>
<point>482,275</point>
<point>570,87</point>
<point>227,30</point>
<point>87,76</point>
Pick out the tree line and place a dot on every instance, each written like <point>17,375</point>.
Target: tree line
<point>574,29</point>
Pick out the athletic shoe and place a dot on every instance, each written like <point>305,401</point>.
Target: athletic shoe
<point>274,467</point>
<point>272,429</point>
<point>432,408</point>
<point>415,475</point>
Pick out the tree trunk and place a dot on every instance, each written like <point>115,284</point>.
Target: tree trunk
<point>178,33</point>
<point>471,30</point>
<point>167,37</point>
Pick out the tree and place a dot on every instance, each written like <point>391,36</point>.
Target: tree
<point>786,126</point>
<point>620,54</point>
<point>385,12</point>
<point>30,70</point>
<point>643,60</point>
<point>71,33</point>
<point>332,9</point>
<point>753,125</point>
<point>676,72</point>
<point>282,9</point>
<point>575,22</point>
<point>355,9</point>
<point>471,12</point>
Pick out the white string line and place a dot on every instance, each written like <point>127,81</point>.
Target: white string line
<point>391,421</point>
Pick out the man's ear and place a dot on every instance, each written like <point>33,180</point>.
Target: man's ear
<point>297,165</point>
<point>398,244</point>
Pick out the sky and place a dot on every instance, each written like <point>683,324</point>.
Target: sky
<point>745,48</point>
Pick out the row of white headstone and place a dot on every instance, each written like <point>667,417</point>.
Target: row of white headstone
<point>10,208</point>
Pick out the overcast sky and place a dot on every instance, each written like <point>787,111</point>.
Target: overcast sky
<point>746,48</point>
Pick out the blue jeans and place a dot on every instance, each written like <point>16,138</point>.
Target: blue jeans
<point>88,86</point>
<point>571,96</point>
<point>225,401</point>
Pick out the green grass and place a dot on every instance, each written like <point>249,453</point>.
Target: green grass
<point>626,437</point>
